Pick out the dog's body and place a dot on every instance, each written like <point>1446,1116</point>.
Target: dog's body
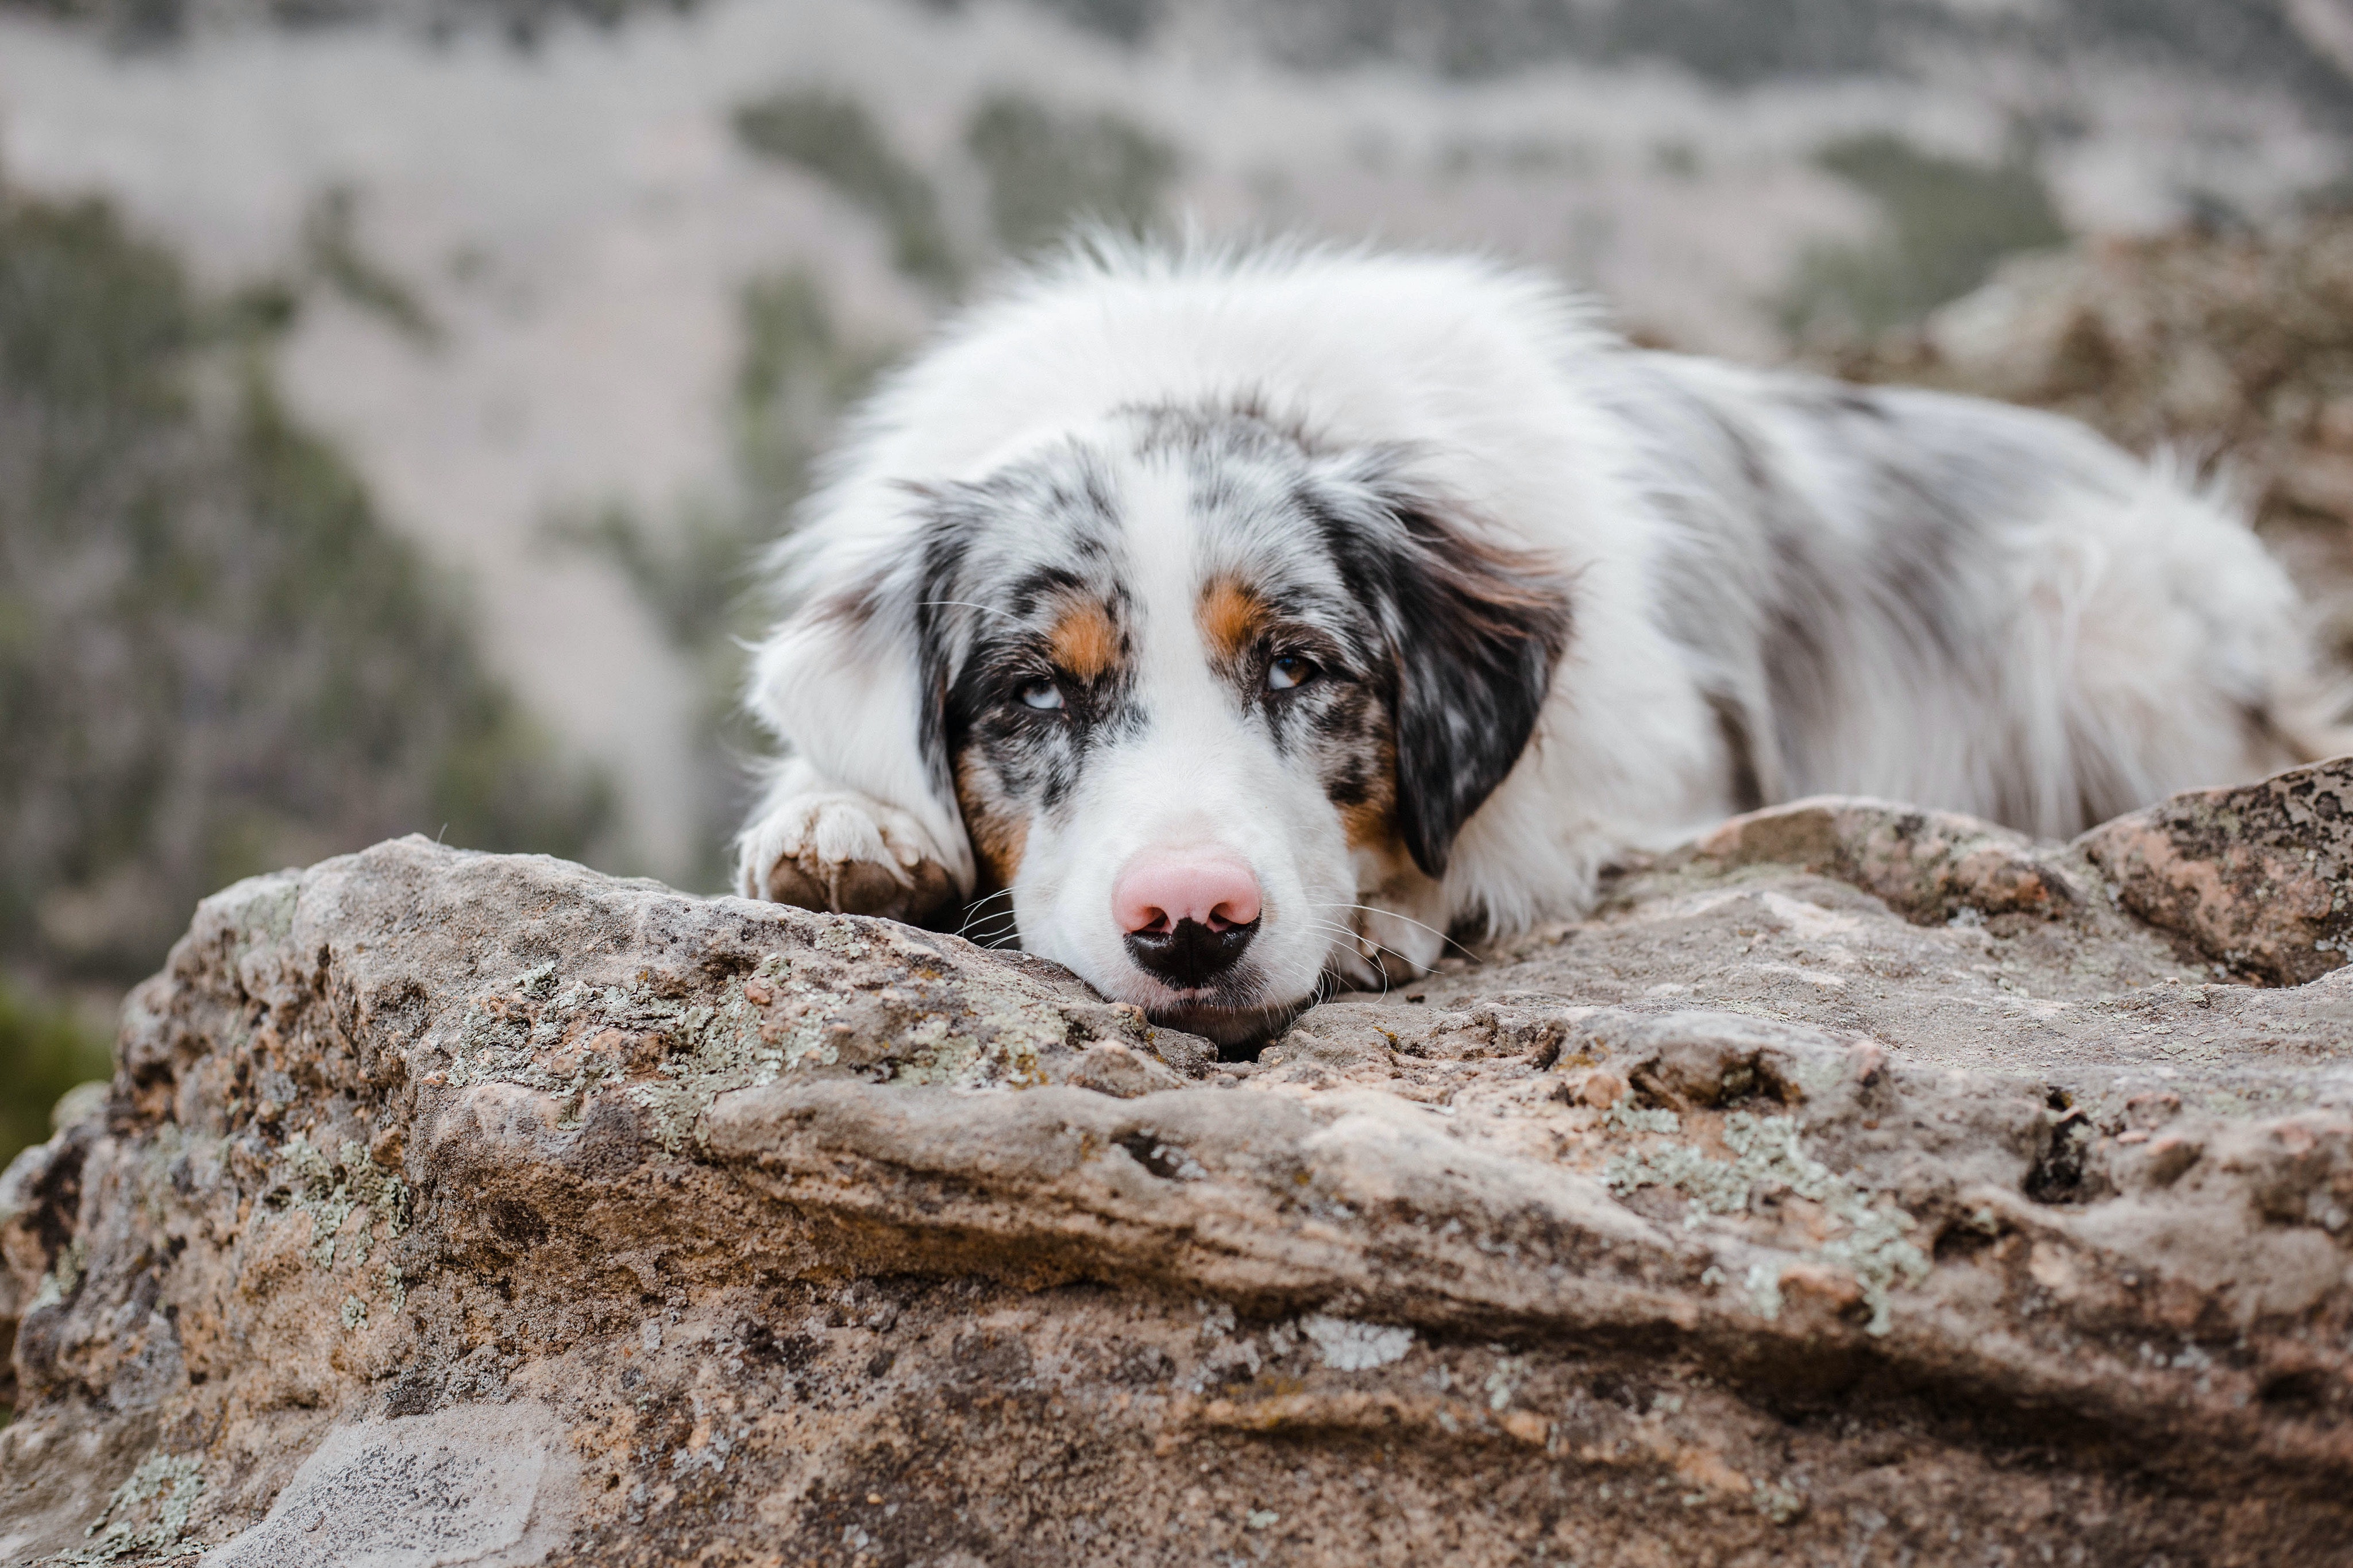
<point>1250,618</point>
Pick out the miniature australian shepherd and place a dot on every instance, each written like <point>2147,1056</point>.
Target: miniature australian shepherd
<point>1242,622</point>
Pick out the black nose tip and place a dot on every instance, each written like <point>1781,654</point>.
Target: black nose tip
<point>1192,955</point>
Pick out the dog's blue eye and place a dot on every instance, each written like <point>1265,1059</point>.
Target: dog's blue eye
<point>1042,694</point>
<point>1287,671</point>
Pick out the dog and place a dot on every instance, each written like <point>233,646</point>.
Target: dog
<point>1241,621</point>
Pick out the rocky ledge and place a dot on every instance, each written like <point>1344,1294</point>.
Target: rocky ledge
<point>1861,1185</point>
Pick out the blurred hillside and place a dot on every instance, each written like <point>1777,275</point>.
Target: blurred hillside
<point>400,389</point>
<point>214,659</point>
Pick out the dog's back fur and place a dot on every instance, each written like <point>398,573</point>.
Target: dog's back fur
<point>1775,584</point>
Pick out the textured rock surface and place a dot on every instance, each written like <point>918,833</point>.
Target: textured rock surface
<point>1860,1185</point>
<point>2256,877</point>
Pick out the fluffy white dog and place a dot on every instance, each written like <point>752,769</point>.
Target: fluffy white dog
<point>1249,617</point>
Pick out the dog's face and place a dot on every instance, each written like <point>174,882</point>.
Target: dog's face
<point>1212,705</point>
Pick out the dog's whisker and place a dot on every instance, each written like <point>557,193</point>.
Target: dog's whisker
<point>1408,920</point>
<point>1359,942</point>
<point>990,932</point>
<point>980,917</point>
<point>1358,939</point>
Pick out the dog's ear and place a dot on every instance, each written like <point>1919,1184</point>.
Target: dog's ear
<point>856,680</point>
<point>1474,631</point>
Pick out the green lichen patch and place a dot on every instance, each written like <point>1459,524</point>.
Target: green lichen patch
<point>330,1190</point>
<point>909,1033</point>
<point>724,1048</point>
<point>1628,1118</point>
<point>848,1003</point>
<point>63,1276</point>
<point>1781,1504</point>
<point>1769,1152</point>
<point>147,1515</point>
<point>261,909</point>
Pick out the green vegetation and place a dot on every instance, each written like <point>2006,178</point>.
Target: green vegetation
<point>796,377</point>
<point>834,138</point>
<point>44,1051</point>
<point>1047,170</point>
<point>331,246</point>
<point>1947,224</point>
<point>524,23</point>
<point>215,659</point>
<point>1740,43</point>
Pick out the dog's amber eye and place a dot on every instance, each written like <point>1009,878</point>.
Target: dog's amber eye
<point>1289,670</point>
<point>1045,695</point>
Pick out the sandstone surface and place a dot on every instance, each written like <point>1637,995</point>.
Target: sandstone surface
<point>1859,1186</point>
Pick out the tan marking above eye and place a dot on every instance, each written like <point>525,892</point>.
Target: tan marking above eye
<point>1084,642</point>
<point>1232,618</point>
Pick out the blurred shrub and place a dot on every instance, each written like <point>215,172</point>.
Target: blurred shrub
<point>834,138</point>
<point>145,23</point>
<point>2266,44</point>
<point>1737,41</point>
<point>44,1051</point>
<point>797,374</point>
<point>331,249</point>
<point>1047,170</point>
<point>1044,172</point>
<point>214,658</point>
<point>1948,222</point>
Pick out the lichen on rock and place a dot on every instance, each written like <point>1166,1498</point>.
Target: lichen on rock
<point>1845,1156</point>
<point>2255,877</point>
<point>331,1191</point>
<point>147,1515</point>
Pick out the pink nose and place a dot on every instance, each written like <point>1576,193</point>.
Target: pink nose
<point>1161,887</point>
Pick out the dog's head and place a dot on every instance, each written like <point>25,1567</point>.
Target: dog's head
<point>1210,700</point>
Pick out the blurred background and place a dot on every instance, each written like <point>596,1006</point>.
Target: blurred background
<point>393,391</point>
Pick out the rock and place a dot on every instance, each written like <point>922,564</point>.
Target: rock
<point>2255,876</point>
<point>1861,1183</point>
<point>490,1484</point>
<point>1927,865</point>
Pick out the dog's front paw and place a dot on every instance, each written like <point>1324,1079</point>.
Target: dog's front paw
<point>838,851</point>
